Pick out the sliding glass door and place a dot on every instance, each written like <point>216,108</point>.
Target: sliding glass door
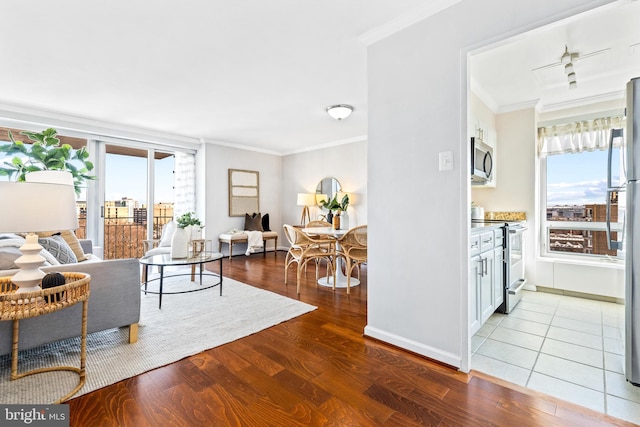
<point>137,198</point>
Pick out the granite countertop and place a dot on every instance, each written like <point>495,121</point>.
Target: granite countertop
<point>506,216</point>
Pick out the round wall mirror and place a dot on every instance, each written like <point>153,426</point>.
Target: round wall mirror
<point>328,187</point>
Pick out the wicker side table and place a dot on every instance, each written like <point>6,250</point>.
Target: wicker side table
<point>15,307</point>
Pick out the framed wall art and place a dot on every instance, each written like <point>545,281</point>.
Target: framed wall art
<point>244,192</point>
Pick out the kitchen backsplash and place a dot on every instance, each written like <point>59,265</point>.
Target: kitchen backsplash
<point>506,216</point>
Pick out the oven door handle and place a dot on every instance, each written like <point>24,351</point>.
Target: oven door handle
<point>520,229</point>
<point>519,288</point>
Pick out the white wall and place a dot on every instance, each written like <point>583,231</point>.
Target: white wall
<point>281,179</point>
<point>516,183</point>
<point>302,172</point>
<point>218,160</point>
<point>418,83</point>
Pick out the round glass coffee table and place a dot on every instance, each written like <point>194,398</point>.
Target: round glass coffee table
<point>164,260</point>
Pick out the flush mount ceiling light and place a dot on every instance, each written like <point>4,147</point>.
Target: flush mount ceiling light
<point>340,111</point>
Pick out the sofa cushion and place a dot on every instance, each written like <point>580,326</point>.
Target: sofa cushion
<point>265,223</point>
<point>73,242</point>
<point>253,222</point>
<point>57,247</point>
<point>10,246</point>
<point>167,234</point>
<point>7,257</point>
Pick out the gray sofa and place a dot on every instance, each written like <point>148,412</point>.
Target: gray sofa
<point>114,302</point>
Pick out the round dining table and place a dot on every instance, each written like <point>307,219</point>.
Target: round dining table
<point>341,278</point>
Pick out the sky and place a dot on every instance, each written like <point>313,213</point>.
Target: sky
<point>126,176</point>
<point>579,178</point>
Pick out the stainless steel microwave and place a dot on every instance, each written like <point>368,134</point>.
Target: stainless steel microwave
<point>481,162</point>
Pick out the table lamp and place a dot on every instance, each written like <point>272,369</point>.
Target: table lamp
<point>30,207</point>
<point>306,200</point>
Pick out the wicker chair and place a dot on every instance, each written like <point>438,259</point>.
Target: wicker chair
<point>352,246</point>
<point>321,223</point>
<point>304,249</point>
<point>318,223</point>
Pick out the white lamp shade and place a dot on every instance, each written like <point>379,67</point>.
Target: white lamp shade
<point>306,199</point>
<point>35,206</point>
<point>339,112</point>
<point>320,197</point>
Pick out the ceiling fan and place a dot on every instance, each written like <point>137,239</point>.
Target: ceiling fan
<point>572,56</point>
<point>568,59</point>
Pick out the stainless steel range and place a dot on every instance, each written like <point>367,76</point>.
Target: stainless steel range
<point>514,279</point>
<point>513,262</point>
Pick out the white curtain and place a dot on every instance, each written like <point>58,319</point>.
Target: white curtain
<point>184,182</point>
<point>588,135</point>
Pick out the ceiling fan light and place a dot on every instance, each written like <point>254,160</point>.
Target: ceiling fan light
<point>340,111</point>
<point>566,56</point>
<point>571,77</point>
<point>568,69</point>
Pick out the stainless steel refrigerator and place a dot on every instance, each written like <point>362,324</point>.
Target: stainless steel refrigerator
<point>632,234</point>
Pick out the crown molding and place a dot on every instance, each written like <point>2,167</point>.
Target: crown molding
<point>524,105</point>
<point>239,146</point>
<point>404,21</point>
<point>89,128</point>
<point>336,143</point>
<point>484,96</point>
<point>611,96</point>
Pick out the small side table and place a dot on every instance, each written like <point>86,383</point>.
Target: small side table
<point>200,245</point>
<point>14,307</point>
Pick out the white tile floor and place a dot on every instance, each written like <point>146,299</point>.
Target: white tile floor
<point>567,347</point>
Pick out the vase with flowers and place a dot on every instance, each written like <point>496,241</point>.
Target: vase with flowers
<point>187,224</point>
<point>337,206</point>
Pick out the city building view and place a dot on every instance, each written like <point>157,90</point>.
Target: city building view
<point>125,226</point>
<point>591,242</point>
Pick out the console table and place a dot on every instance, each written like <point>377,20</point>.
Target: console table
<point>17,306</point>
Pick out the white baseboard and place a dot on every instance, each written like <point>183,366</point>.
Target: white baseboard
<point>414,346</point>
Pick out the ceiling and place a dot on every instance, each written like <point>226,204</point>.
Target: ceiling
<point>526,69</point>
<point>260,74</point>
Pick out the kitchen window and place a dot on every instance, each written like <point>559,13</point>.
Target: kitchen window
<point>573,165</point>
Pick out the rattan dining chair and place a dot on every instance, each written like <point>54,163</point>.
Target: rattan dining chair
<point>318,223</point>
<point>352,246</point>
<point>303,249</point>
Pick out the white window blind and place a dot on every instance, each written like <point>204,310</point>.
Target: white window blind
<point>184,184</point>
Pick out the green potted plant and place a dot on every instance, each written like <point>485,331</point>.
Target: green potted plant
<point>45,153</point>
<point>335,205</point>
<point>188,228</point>
<point>192,224</point>
<point>188,219</point>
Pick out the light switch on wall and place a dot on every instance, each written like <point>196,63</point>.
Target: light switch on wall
<point>446,160</point>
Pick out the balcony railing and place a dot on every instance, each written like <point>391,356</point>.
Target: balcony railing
<point>123,236</point>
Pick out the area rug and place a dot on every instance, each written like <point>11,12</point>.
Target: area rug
<point>187,324</point>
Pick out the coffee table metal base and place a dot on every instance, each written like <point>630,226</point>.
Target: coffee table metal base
<point>200,261</point>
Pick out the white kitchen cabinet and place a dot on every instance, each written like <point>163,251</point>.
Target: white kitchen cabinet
<point>474,302</point>
<point>485,276</point>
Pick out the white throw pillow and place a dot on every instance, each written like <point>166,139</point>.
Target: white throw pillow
<point>167,233</point>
